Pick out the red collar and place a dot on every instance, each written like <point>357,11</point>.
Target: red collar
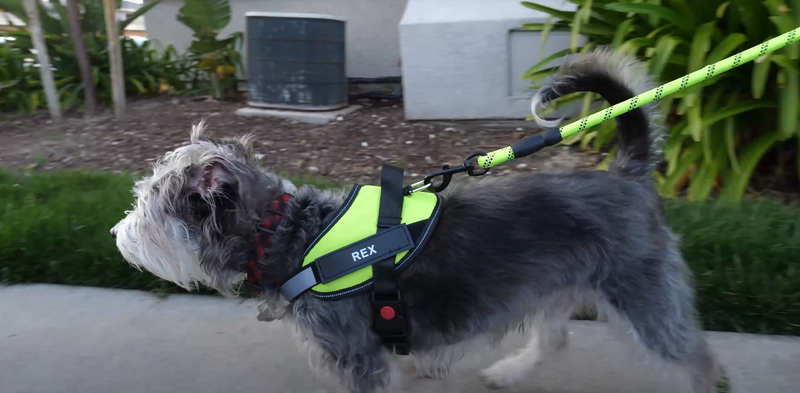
<point>264,240</point>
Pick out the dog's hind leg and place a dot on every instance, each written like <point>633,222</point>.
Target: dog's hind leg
<point>659,309</point>
<point>547,335</point>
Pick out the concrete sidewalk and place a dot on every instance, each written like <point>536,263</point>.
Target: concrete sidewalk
<point>56,339</point>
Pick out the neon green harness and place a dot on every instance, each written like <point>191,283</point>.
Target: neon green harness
<point>357,221</point>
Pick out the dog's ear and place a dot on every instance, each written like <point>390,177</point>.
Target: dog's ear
<point>213,177</point>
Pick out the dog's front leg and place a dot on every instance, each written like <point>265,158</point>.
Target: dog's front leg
<point>343,344</point>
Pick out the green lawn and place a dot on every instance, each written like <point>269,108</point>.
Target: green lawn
<point>54,229</point>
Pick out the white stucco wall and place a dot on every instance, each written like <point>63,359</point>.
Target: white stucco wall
<point>372,28</point>
<point>462,59</point>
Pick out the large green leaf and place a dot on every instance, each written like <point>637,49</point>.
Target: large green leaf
<point>633,45</point>
<point>796,14</point>
<point>652,9</point>
<point>785,62</point>
<point>205,17</point>
<point>695,118</point>
<point>754,16</point>
<point>583,16</point>
<point>622,30</point>
<point>141,11</point>
<point>730,144</point>
<point>735,184</point>
<point>790,105</point>
<point>682,8</point>
<point>664,48</point>
<point>689,157</point>
<point>774,6</point>
<point>724,48</point>
<point>702,181</point>
<point>598,30</point>
<point>563,15</point>
<point>728,111</point>
<point>545,62</point>
<point>721,9</point>
<point>548,27</point>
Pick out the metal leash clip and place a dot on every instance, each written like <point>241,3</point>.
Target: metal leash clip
<point>446,175</point>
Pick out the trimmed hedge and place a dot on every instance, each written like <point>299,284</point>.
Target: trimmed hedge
<point>54,229</point>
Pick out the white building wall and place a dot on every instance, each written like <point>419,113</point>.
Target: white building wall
<point>373,48</point>
<point>462,59</point>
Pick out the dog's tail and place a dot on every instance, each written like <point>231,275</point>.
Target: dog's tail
<point>616,78</point>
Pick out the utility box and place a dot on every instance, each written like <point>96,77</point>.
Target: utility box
<point>463,59</point>
<point>296,61</point>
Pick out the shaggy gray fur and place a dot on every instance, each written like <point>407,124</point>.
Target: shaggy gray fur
<point>524,251</point>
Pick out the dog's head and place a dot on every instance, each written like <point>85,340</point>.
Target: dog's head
<point>194,219</point>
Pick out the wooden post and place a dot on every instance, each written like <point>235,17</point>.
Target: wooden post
<point>115,57</point>
<point>84,66</point>
<point>45,73</point>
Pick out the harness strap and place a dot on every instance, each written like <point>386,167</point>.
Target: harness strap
<point>325,269</point>
<point>389,320</point>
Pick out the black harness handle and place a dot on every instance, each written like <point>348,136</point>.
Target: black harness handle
<point>389,319</point>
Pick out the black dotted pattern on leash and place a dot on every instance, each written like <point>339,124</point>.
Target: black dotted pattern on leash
<point>790,38</point>
<point>583,124</point>
<point>607,114</point>
<point>710,72</point>
<point>489,159</point>
<point>737,60</point>
<point>659,91</point>
<point>684,81</point>
<point>632,106</point>
<point>764,49</point>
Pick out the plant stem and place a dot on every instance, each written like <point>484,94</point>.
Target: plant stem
<point>82,56</point>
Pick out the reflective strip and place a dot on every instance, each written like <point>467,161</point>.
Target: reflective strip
<point>298,284</point>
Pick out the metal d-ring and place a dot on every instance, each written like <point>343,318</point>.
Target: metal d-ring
<point>471,167</point>
<point>447,175</point>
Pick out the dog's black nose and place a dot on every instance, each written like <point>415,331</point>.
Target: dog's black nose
<point>113,234</point>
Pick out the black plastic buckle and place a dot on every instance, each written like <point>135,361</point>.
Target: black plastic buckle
<point>392,326</point>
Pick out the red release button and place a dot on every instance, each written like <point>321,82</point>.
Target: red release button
<point>387,313</point>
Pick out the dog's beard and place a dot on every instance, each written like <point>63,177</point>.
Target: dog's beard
<point>162,247</point>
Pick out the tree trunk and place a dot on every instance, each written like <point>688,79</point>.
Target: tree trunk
<point>45,73</point>
<point>115,57</point>
<point>85,68</point>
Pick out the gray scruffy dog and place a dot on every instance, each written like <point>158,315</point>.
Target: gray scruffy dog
<point>527,250</point>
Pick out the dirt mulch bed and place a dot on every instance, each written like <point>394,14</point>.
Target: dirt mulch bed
<point>349,150</point>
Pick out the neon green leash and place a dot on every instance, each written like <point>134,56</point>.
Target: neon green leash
<point>551,137</point>
<point>522,148</point>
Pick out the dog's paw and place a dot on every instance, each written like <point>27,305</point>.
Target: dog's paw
<point>495,379</point>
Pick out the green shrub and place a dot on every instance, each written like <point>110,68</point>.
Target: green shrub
<point>54,229</point>
<point>147,71</point>
<point>722,129</point>
<point>220,60</point>
<point>746,259</point>
<point>20,88</point>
